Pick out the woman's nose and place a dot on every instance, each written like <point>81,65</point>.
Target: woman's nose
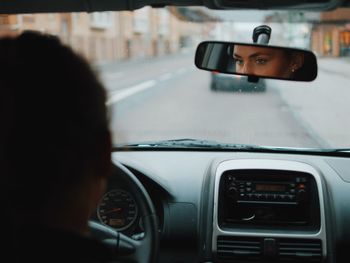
<point>247,69</point>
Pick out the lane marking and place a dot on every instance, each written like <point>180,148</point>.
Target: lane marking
<point>131,91</point>
<point>127,92</point>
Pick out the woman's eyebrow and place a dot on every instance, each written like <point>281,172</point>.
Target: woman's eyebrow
<point>253,55</point>
<point>258,54</point>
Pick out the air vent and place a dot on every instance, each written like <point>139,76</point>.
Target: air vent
<point>239,248</point>
<point>252,249</point>
<point>304,250</point>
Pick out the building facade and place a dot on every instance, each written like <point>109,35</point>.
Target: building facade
<point>331,35</point>
<point>110,36</point>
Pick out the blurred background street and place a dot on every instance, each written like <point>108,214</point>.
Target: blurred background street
<point>145,59</point>
<point>143,107</point>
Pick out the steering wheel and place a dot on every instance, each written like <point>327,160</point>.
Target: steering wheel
<point>125,248</point>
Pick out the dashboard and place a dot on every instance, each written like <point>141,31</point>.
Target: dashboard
<point>237,206</point>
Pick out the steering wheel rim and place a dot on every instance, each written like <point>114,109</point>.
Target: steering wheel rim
<point>122,246</point>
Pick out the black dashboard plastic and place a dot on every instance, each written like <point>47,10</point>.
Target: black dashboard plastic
<point>184,180</point>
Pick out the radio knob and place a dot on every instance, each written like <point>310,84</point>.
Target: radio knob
<point>232,192</point>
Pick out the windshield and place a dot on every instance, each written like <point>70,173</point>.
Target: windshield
<point>145,59</point>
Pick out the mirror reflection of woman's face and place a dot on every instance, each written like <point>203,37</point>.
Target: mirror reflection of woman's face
<point>261,61</point>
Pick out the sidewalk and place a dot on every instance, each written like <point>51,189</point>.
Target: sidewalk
<point>322,106</point>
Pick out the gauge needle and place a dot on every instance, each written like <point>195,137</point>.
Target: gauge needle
<point>113,210</point>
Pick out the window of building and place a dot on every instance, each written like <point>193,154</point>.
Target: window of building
<point>101,20</point>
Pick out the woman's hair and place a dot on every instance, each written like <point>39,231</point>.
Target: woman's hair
<point>307,70</point>
<point>53,119</point>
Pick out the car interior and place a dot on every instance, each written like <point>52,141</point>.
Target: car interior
<point>187,200</point>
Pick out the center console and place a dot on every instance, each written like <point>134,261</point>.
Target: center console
<point>268,210</point>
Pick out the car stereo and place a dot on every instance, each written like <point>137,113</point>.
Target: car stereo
<point>268,198</point>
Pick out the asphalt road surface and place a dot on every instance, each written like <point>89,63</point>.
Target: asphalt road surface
<point>168,98</point>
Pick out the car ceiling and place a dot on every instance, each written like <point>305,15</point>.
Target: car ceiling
<point>37,6</point>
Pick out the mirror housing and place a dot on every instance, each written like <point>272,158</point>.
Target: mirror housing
<point>256,61</point>
<point>277,4</point>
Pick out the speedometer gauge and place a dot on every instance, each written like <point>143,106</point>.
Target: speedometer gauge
<point>117,209</point>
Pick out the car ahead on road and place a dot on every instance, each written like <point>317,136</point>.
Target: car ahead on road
<point>224,178</point>
<point>239,83</point>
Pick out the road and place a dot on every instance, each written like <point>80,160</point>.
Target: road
<point>168,98</point>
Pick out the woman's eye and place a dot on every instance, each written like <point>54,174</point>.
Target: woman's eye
<point>239,61</point>
<point>261,61</point>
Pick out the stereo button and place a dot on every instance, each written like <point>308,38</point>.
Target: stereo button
<point>301,186</point>
<point>258,196</point>
<point>301,180</point>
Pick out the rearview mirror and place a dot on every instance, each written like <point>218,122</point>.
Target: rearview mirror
<point>257,60</point>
